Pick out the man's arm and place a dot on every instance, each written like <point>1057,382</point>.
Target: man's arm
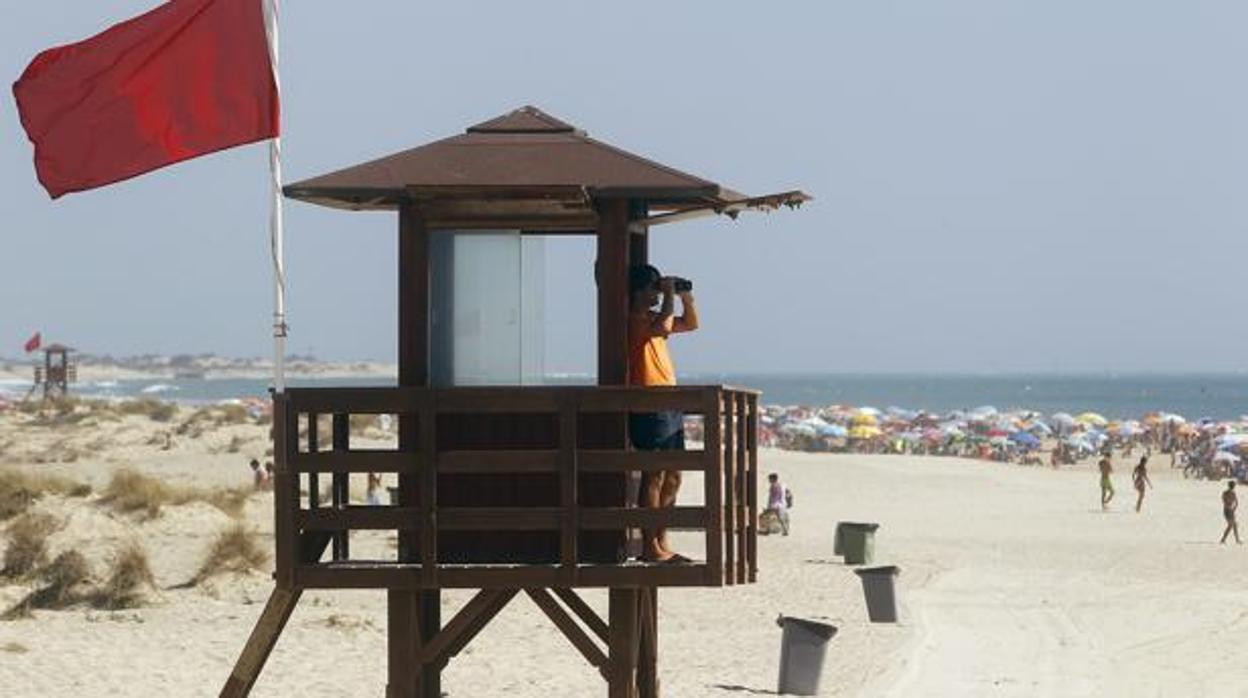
<point>688,320</point>
<point>664,322</point>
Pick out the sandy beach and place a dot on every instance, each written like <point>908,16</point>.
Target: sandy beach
<point>1014,583</point>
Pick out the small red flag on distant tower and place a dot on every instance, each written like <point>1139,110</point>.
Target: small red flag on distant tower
<point>34,342</point>
<point>188,78</point>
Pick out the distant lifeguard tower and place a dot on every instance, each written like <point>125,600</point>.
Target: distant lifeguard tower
<point>56,372</point>
<point>505,485</point>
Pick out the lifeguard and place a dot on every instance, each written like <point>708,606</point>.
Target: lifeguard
<point>650,364</point>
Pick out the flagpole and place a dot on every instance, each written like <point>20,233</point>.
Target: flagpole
<point>276,241</point>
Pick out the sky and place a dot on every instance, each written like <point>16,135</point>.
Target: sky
<point>1000,185</point>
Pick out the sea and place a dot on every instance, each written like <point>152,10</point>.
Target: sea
<point>1219,397</point>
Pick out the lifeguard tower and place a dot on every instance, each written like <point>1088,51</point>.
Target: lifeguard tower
<point>56,373</point>
<point>504,486</point>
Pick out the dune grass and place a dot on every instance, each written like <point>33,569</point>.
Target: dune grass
<point>20,489</point>
<point>235,549</point>
<point>28,544</point>
<point>132,492</point>
<point>63,583</point>
<point>129,577</point>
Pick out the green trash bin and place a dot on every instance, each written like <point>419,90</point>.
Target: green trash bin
<point>857,542</point>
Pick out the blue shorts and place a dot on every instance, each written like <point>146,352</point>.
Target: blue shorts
<point>657,431</point>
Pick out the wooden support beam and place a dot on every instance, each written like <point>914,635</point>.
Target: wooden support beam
<point>312,543</point>
<point>277,610</point>
<point>611,272</point>
<point>648,654</point>
<point>570,629</point>
<point>413,354</point>
<point>403,625</point>
<point>623,644</point>
<point>285,491</point>
<point>470,620</point>
<point>429,608</point>
<point>583,611</point>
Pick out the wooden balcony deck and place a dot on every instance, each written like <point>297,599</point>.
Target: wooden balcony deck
<point>565,446</point>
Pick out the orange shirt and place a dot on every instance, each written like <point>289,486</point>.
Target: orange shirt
<point>649,363</point>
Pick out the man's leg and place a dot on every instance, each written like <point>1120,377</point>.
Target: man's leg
<point>651,498</point>
<point>668,490</point>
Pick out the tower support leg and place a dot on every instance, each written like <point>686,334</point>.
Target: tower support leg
<point>623,646</point>
<point>263,637</point>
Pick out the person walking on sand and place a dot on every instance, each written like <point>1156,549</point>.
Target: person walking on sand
<point>779,499</point>
<point>1139,477</point>
<point>1107,485</point>
<point>1230,503</point>
<point>650,364</point>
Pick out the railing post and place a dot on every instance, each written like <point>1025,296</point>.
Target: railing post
<point>428,488</point>
<point>341,483</point>
<point>569,412</point>
<point>712,474</point>
<point>285,489</point>
<point>730,488</point>
<point>741,509</point>
<point>314,445</point>
<point>752,448</point>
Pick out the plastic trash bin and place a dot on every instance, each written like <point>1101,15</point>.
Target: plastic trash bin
<point>857,542</point>
<point>394,496</point>
<point>802,649</point>
<point>879,587</point>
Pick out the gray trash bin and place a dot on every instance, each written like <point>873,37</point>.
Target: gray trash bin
<point>802,648</point>
<point>394,496</point>
<point>879,587</point>
<point>856,541</point>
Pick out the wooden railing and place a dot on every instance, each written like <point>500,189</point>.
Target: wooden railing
<point>586,442</point>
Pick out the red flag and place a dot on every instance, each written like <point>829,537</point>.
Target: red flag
<point>188,78</point>
<point>34,342</point>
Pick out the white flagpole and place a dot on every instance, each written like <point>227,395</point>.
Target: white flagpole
<point>275,217</point>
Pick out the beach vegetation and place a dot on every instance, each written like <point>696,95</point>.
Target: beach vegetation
<point>28,544</point>
<point>20,489</point>
<point>132,492</point>
<point>62,584</point>
<point>236,549</point>
<point>155,410</point>
<point>129,579</point>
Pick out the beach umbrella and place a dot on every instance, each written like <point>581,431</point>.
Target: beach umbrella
<point>799,428</point>
<point>1225,457</point>
<point>864,432</point>
<point>863,420</point>
<point>1173,419</point>
<point>1061,420</point>
<point>1091,419</point>
<point>1039,427</point>
<point>869,411</point>
<point>1025,439</point>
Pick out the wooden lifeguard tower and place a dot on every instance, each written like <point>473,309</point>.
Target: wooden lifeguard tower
<point>56,372</point>
<point>510,489</point>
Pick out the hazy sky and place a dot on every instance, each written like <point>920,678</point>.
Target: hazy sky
<point>1001,184</point>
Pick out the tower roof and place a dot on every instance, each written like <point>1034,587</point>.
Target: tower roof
<point>522,167</point>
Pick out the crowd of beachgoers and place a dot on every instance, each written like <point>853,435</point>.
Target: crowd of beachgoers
<point>1204,447</point>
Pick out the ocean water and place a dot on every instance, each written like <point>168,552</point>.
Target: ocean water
<point>1218,396</point>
